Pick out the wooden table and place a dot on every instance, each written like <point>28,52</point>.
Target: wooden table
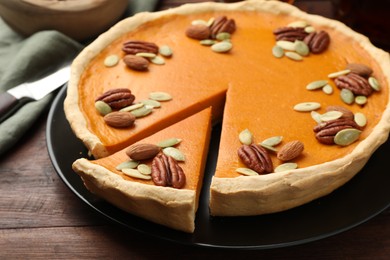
<point>41,218</point>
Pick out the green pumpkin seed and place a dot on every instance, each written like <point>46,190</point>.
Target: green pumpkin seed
<point>310,29</point>
<point>148,55</point>
<point>222,47</point>
<point>136,174</point>
<point>301,48</point>
<point>169,142</point>
<point>316,84</point>
<point>160,96</point>
<point>245,137</point>
<point>151,103</point>
<point>268,147</point>
<point>111,60</point>
<point>293,56</point>
<point>331,115</point>
<point>374,83</point>
<point>347,136</point>
<point>174,153</point>
<point>327,89</point>
<point>199,21</point>
<point>307,106</point>
<point>316,116</point>
<point>272,141</point>
<point>277,51</point>
<point>102,107</point>
<point>360,100</point>
<point>210,21</point>
<point>338,73</point>
<point>360,119</point>
<point>222,36</point>
<point>286,167</point>
<point>246,171</point>
<point>207,42</point>
<point>165,51</point>
<point>286,45</point>
<point>298,24</point>
<point>144,169</point>
<point>127,164</point>
<point>347,96</point>
<point>132,107</point>
<point>141,112</point>
<point>158,60</point>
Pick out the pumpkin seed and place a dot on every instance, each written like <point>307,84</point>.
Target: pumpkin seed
<point>132,107</point>
<point>301,48</point>
<point>207,42</point>
<point>338,73</point>
<point>141,112</point>
<point>316,84</point>
<point>298,24</point>
<point>268,147</point>
<point>347,96</point>
<point>272,141</point>
<point>151,103</point>
<point>360,119</point>
<point>222,36</point>
<point>286,167</point>
<point>136,174</point>
<point>160,96</point>
<point>286,45</point>
<point>360,100</point>
<point>294,56</point>
<point>111,60</point>
<point>316,116</point>
<point>144,169</point>
<point>148,55</point>
<point>277,51</point>
<point>127,164</point>
<point>102,107</point>
<point>174,153</point>
<point>347,136</point>
<point>158,60</point>
<point>307,106</point>
<point>165,51</point>
<point>331,115</point>
<point>327,89</point>
<point>169,142</point>
<point>222,46</point>
<point>246,171</point>
<point>374,83</point>
<point>309,29</point>
<point>210,21</point>
<point>245,137</point>
<point>199,21</point>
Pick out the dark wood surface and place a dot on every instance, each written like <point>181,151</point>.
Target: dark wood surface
<point>41,218</point>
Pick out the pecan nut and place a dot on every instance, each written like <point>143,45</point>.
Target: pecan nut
<point>222,24</point>
<point>354,82</point>
<point>117,98</point>
<point>318,42</point>
<point>256,158</point>
<point>290,34</point>
<point>167,172</point>
<point>136,46</point>
<point>326,131</point>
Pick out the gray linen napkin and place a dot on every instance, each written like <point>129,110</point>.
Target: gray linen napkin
<point>24,59</point>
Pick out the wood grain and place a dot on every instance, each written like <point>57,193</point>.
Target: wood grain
<point>40,218</point>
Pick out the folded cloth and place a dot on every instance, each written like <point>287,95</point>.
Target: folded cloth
<point>24,59</point>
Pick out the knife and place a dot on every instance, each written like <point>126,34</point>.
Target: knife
<point>14,98</point>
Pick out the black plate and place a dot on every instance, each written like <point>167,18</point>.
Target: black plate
<point>365,196</point>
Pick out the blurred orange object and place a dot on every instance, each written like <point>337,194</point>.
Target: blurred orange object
<point>80,20</point>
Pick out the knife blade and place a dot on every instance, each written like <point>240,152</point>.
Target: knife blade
<point>14,98</point>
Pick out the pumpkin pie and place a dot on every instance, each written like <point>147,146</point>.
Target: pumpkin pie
<point>303,99</point>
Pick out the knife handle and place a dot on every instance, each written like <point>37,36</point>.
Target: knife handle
<point>8,105</point>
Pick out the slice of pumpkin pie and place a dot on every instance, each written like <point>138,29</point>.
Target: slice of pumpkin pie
<point>158,178</point>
